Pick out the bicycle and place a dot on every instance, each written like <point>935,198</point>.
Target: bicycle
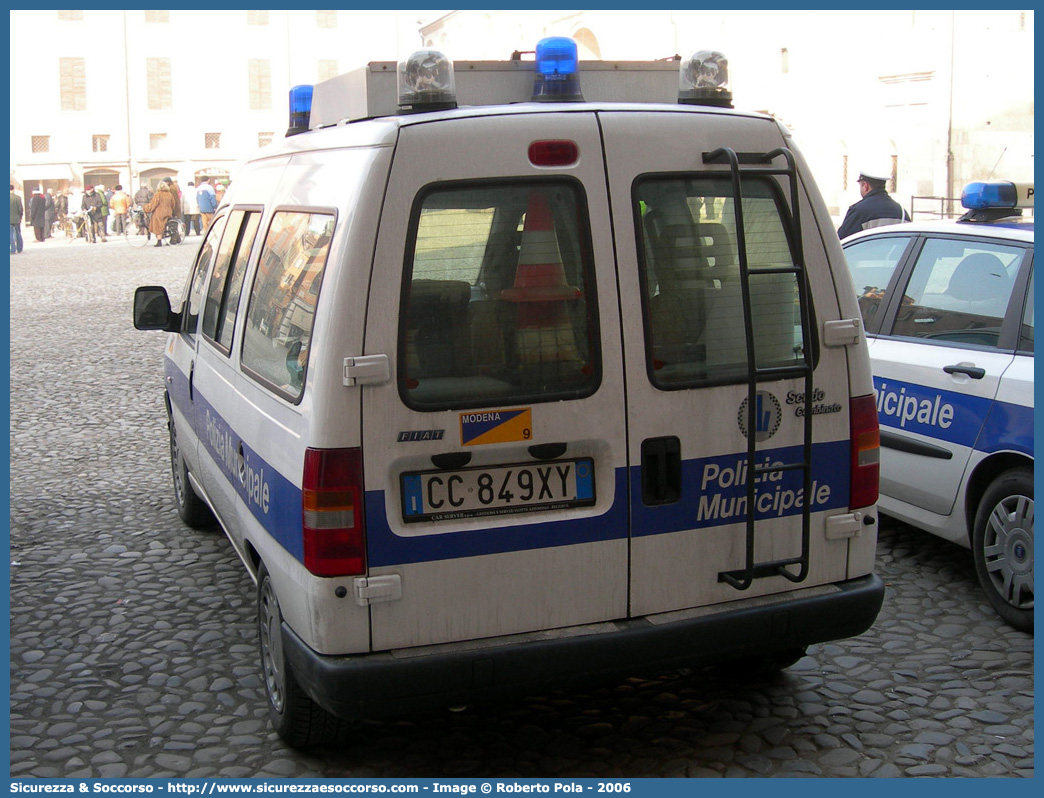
<point>78,225</point>
<point>138,222</point>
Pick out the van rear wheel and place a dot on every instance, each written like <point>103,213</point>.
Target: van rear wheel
<point>1002,544</point>
<point>192,509</point>
<point>294,715</point>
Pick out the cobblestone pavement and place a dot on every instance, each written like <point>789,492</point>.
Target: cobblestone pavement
<point>134,653</point>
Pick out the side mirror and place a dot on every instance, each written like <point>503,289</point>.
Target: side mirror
<point>152,310</point>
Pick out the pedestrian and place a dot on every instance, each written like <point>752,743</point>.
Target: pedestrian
<point>119,204</point>
<point>17,210</point>
<point>219,191</point>
<point>142,195</point>
<point>104,195</point>
<point>875,209</point>
<point>207,200</point>
<point>49,213</point>
<point>175,194</point>
<point>38,213</point>
<point>190,209</point>
<point>161,206</point>
<point>61,207</point>
<point>92,203</point>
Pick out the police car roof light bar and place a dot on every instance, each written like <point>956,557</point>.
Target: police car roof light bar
<point>557,77</point>
<point>995,200</point>
<point>997,194</point>
<point>300,109</point>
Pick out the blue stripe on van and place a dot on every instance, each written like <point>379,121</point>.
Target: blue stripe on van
<point>271,498</point>
<point>717,492</point>
<point>384,547</point>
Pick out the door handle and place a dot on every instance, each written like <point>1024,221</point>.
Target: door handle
<point>661,470</point>
<point>192,375</point>
<point>974,372</point>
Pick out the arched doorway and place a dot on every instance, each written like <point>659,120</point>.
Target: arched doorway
<point>101,177</point>
<point>152,177</point>
<point>587,45</point>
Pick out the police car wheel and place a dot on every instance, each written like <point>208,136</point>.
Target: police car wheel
<point>192,509</point>
<point>294,715</point>
<point>1002,544</point>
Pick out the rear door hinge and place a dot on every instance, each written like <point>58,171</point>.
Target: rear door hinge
<point>377,589</point>
<point>848,525</point>
<point>842,332</point>
<point>366,370</point>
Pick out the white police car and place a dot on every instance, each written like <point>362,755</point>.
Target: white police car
<point>948,311</point>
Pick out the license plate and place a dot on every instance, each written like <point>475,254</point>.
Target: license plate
<point>497,490</point>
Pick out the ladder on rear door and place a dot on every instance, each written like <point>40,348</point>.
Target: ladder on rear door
<point>761,164</point>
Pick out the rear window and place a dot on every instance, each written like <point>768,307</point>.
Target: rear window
<point>690,270</point>
<point>498,300</point>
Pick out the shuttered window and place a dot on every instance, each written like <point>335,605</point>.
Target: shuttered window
<point>161,94</point>
<point>73,80</point>
<point>259,77</point>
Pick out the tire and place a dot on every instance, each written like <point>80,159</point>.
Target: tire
<point>1002,544</point>
<point>176,233</point>
<point>294,715</point>
<point>191,508</point>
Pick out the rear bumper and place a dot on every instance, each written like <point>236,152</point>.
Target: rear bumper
<point>393,683</point>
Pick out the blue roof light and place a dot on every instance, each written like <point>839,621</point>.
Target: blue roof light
<point>997,194</point>
<point>994,200</point>
<point>557,71</point>
<point>300,109</point>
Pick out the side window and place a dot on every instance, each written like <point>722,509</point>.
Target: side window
<point>197,287</point>
<point>283,299</point>
<point>872,262</point>
<point>959,291</point>
<point>226,280</point>
<point>1026,335</point>
<point>498,302</point>
<point>690,271</point>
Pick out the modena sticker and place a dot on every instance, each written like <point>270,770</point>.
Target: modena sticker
<point>496,426</point>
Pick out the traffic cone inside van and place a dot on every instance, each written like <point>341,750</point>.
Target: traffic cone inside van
<point>544,331</point>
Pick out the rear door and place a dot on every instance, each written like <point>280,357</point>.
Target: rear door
<point>495,457</point>
<point>686,362</point>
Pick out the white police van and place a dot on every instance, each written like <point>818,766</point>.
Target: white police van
<point>948,308</point>
<point>494,397</point>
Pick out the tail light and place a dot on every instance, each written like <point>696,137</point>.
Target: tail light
<point>866,452</point>
<point>332,506</point>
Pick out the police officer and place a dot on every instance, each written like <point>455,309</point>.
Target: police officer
<point>875,209</point>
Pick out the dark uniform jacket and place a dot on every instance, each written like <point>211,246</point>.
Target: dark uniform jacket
<point>873,210</point>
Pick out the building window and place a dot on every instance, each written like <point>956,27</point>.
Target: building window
<point>327,69</point>
<point>212,141</point>
<point>72,78</point>
<point>326,19</point>
<point>157,16</point>
<point>70,16</point>
<point>41,143</point>
<point>259,76</point>
<point>157,141</point>
<point>100,143</point>
<point>257,17</point>
<point>161,95</point>
<point>264,139</point>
